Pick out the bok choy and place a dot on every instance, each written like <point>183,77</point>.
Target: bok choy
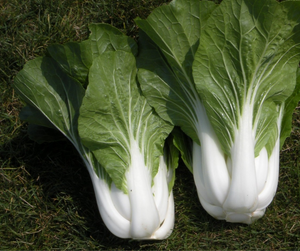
<point>226,74</point>
<point>88,91</point>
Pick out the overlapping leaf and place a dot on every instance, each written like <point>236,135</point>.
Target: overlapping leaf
<point>114,114</point>
<point>248,54</point>
<point>165,60</point>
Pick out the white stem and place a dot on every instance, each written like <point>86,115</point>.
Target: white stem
<point>121,201</point>
<point>144,214</point>
<point>242,196</point>
<point>268,193</point>
<point>160,190</point>
<point>209,165</point>
<point>166,228</point>
<point>113,220</point>
<point>261,169</point>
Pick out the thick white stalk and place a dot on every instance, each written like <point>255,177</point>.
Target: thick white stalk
<point>144,214</point>
<point>167,226</point>
<point>240,189</point>
<point>121,201</point>
<point>160,190</point>
<point>268,193</point>
<point>111,217</point>
<point>242,195</point>
<point>261,169</point>
<point>209,165</point>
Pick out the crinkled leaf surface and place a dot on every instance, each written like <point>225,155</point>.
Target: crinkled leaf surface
<point>76,58</point>
<point>43,85</point>
<point>53,86</point>
<point>50,85</point>
<point>290,104</point>
<point>165,60</point>
<point>248,54</point>
<point>114,115</point>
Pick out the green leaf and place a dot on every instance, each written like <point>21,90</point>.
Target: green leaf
<point>105,37</point>
<point>289,107</point>
<point>114,117</point>
<point>176,28</point>
<point>267,128</point>
<point>52,86</point>
<point>74,58</point>
<point>77,58</point>
<point>171,154</point>
<point>46,88</point>
<point>247,51</point>
<point>160,86</point>
<point>185,145</point>
<point>40,129</point>
<point>165,60</point>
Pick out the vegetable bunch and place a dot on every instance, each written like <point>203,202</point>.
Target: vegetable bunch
<point>227,75</point>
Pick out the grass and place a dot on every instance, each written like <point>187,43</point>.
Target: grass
<point>46,197</point>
